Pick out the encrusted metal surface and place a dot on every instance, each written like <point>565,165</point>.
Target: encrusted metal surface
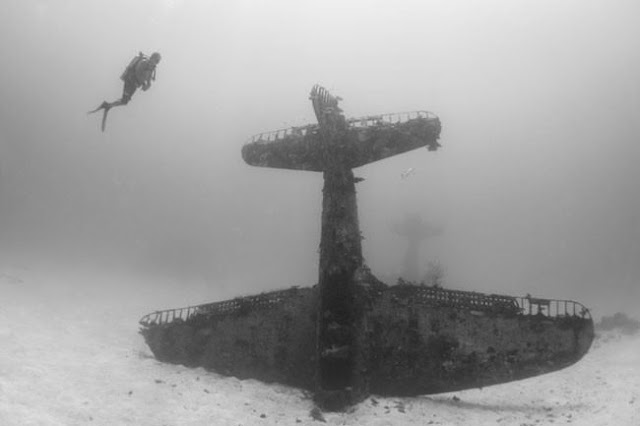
<point>419,295</point>
<point>367,139</point>
<point>238,305</point>
<point>415,340</point>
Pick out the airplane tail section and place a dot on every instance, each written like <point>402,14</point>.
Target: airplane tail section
<point>370,139</point>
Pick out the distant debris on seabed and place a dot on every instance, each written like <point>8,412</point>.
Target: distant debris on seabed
<point>619,321</point>
<point>316,414</point>
<point>10,278</point>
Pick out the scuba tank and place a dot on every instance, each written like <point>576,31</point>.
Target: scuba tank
<point>132,66</point>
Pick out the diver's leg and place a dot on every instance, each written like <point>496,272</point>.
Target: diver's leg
<point>129,89</point>
<point>127,92</point>
<point>122,101</point>
<point>117,103</point>
<point>104,118</point>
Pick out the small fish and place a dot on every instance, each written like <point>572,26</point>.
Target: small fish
<point>407,173</point>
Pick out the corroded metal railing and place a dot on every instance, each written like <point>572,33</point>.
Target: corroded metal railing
<point>169,316</point>
<point>444,298</point>
<point>438,297</point>
<point>428,296</point>
<point>369,121</point>
<point>390,119</point>
<point>276,135</point>
<point>552,307</point>
<point>226,307</point>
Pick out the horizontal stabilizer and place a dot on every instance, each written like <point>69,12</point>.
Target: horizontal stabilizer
<point>368,139</point>
<point>295,148</point>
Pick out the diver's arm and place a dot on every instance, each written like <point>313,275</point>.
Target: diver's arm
<point>146,81</point>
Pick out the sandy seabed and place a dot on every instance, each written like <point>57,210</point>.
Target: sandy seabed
<point>70,354</point>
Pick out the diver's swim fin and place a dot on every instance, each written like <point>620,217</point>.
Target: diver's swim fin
<point>106,107</point>
<point>103,105</point>
<point>104,118</point>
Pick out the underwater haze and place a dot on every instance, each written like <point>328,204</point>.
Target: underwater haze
<point>535,187</point>
<point>534,191</point>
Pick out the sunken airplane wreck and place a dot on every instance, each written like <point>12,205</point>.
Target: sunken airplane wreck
<point>352,335</point>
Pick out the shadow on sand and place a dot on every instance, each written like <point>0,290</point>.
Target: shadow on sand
<point>506,407</point>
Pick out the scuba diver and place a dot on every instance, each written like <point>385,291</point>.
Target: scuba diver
<point>140,72</point>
